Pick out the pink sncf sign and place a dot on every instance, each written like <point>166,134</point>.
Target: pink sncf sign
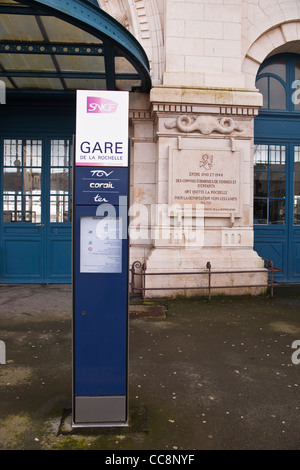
<point>101,105</point>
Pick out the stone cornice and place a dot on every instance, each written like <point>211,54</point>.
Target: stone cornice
<point>161,96</point>
<point>204,100</point>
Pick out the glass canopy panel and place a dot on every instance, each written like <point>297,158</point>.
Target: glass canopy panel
<point>85,84</point>
<point>122,65</point>
<point>61,31</point>
<point>38,83</point>
<point>70,63</point>
<point>27,62</point>
<point>34,42</point>
<point>19,27</point>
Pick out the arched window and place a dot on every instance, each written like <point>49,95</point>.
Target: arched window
<point>278,80</point>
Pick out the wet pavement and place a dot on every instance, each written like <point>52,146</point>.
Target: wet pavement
<point>213,375</point>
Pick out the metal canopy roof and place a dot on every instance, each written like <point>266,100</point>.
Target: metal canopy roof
<point>63,45</point>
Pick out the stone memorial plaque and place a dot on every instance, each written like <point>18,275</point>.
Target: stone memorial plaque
<point>209,177</point>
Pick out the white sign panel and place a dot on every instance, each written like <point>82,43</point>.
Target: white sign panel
<point>102,128</point>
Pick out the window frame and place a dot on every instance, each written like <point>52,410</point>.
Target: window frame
<point>290,60</point>
<point>269,198</point>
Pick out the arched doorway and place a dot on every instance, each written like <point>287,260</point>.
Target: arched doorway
<point>48,50</point>
<point>277,165</point>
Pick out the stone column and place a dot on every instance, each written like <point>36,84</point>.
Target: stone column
<point>204,190</point>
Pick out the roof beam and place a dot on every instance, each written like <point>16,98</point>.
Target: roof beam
<point>30,47</point>
<point>42,74</point>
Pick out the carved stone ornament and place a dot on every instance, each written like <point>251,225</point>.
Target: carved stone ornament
<point>206,162</point>
<point>205,125</point>
<point>115,8</point>
<point>122,18</point>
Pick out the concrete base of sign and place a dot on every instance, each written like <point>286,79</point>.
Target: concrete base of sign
<point>233,272</point>
<point>100,411</point>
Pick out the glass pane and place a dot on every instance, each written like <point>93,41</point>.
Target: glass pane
<point>28,62</point>
<point>85,83</point>
<point>72,63</point>
<point>297,184</point>
<point>277,184</point>
<point>12,180</point>
<point>297,210</point>
<point>32,209</point>
<point>277,157</point>
<point>12,208</point>
<point>32,181</point>
<point>277,211</point>
<point>60,152</point>
<point>12,152</point>
<point>297,69</point>
<point>296,87</point>
<point>59,180</point>
<point>62,31</point>
<point>261,157</point>
<point>59,208</point>
<point>297,198</point>
<point>32,153</point>
<point>277,68</point>
<point>123,66</point>
<point>260,211</point>
<point>31,83</point>
<point>263,86</point>
<point>260,184</point>
<point>60,184</point>
<point>297,158</point>
<point>277,94</point>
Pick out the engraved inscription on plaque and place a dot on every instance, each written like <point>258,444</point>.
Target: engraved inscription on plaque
<point>209,177</point>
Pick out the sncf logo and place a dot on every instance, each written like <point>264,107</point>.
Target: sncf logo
<point>101,105</point>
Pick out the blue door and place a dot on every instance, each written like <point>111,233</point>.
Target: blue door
<point>277,167</point>
<point>35,208</point>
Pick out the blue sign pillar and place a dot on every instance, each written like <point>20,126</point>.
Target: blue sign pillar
<point>100,283</point>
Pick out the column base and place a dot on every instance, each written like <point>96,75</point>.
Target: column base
<point>184,272</point>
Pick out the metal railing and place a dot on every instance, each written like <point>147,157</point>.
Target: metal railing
<point>139,272</point>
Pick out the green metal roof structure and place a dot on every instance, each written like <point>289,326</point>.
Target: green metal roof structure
<point>64,45</point>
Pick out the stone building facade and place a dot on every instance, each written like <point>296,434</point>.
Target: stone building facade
<point>193,136</point>
<point>215,148</point>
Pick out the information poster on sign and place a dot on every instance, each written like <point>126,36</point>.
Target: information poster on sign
<point>101,245</point>
<point>101,137</point>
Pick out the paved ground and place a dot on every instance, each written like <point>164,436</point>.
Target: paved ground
<point>211,375</point>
